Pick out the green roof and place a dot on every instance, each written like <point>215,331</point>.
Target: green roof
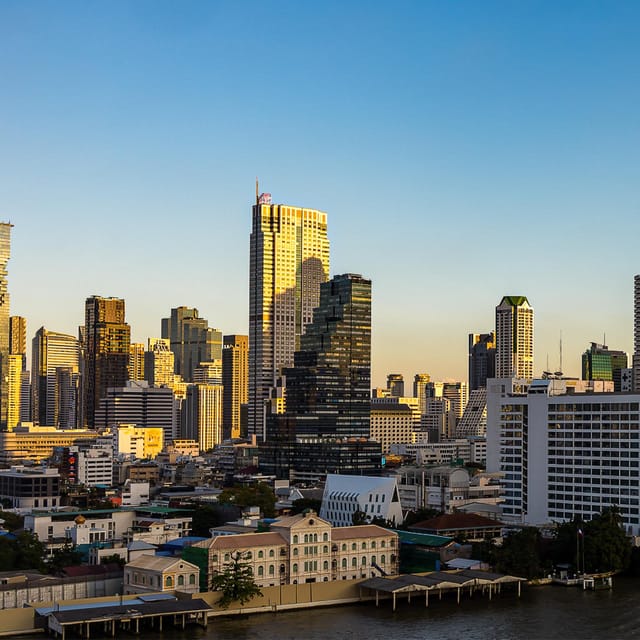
<point>424,539</point>
<point>95,512</point>
<point>515,301</point>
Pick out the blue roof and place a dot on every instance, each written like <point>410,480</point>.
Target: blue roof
<point>183,542</point>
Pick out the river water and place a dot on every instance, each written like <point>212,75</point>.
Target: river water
<point>544,613</point>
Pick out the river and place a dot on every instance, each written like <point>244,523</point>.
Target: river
<point>544,613</point>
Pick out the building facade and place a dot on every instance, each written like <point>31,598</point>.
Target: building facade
<point>5,346</point>
<point>289,259</point>
<point>514,338</point>
<point>601,363</point>
<point>202,415</point>
<point>107,339</point>
<point>235,381</point>
<point>482,359</point>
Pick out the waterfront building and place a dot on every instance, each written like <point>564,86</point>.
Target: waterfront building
<point>50,352</point>
<point>138,403</point>
<point>191,340</point>
<point>5,346</point>
<point>202,415</point>
<point>107,338</point>
<point>601,363</point>
<point>514,338</point>
<point>289,259</point>
<point>151,574</point>
<point>302,548</point>
<point>482,359</point>
<point>235,382</point>
<point>365,497</point>
<point>564,455</point>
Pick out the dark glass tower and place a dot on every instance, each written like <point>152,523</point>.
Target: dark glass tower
<point>482,359</point>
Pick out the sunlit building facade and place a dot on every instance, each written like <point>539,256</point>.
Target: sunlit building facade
<point>514,338</point>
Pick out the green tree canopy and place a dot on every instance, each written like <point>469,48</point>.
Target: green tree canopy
<point>21,551</point>
<point>235,581</point>
<point>257,495</point>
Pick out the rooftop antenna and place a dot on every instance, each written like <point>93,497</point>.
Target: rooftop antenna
<point>257,192</point>
<point>560,351</point>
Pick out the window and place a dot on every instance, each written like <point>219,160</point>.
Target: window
<point>181,581</point>
<point>325,565</point>
<point>168,581</point>
<point>325,549</point>
<point>344,546</point>
<point>260,554</point>
<point>260,571</point>
<point>364,561</point>
<point>325,537</point>
<point>295,551</point>
<point>354,562</point>
<point>344,563</point>
<point>214,558</point>
<point>192,578</point>
<point>383,559</point>
<point>271,553</point>
<point>272,570</point>
<point>295,567</point>
<point>354,546</point>
<point>373,544</point>
<point>364,545</point>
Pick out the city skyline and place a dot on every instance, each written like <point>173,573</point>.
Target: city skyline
<point>458,159</point>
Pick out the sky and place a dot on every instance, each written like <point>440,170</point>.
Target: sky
<point>462,150</point>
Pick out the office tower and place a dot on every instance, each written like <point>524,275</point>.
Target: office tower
<point>68,393</point>
<point>139,404</point>
<point>50,350</point>
<point>601,363</point>
<point>107,340</point>
<point>235,382</point>
<point>135,369</point>
<point>208,372</point>
<point>514,338</point>
<point>25,396</point>
<point>18,337</point>
<point>395,384</point>
<point>191,340</point>
<point>5,254</point>
<point>14,386</point>
<point>458,394</point>
<point>289,259</point>
<point>419,382</point>
<point>328,386</point>
<point>482,359</point>
<point>202,415</point>
<point>159,363</point>
<point>474,418</point>
<point>636,334</point>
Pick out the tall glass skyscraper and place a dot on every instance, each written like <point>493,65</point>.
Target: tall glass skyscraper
<point>5,254</point>
<point>289,259</point>
<point>482,359</point>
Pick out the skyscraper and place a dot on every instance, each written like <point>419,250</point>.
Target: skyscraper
<point>14,387</point>
<point>50,350</point>
<point>18,337</point>
<point>420,381</point>
<point>395,384</point>
<point>107,340</point>
<point>5,254</point>
<point>289,259</point>
<point>202,415</point>
<point>235,382</point>
<point>601,363</point>
<point>636,334</point>
<point>191,340</point>
<point>136,361</point>
<point>514,338</point>
<point>482,359</point>
<point>159,363</point>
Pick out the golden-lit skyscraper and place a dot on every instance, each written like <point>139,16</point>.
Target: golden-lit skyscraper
<point>14,386</point>
<point>289,259</point>
<point>235,380</point>
<point>18,337</point>
<point>136,361</point>
<point>107,340</point>
<point>5,254</point>
<point>159,363</point>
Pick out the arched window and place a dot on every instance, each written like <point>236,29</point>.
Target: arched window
<point>364,545</point>
<point>373,560</point>
<point>295,539</point>
<point>383,544</point>
<point>272,570</point>
<point>227,557</point>
<point>325,549</point>
<point>295,551</point>
<point>383,559</point>
<point>306,537</point>
<point>354,546</point>
<point>315,537</point>
<point>181,581</point>
<point>364,561</point>
<point>325,537</point>
<point>354,562</point>
<point>168,581</point>
<point>325,565</point>
<point>344,546</point>
<point>295,567</point>
<point>249,555</point>
<point>260,571</point>
<point>373,544</point>
<point>344,563</point>
<point>260,554</point>
<point>271,553</point>
<point>192,578</point>
<point>214,558</point>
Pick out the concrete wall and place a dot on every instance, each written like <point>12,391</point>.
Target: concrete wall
<point>17,620</point>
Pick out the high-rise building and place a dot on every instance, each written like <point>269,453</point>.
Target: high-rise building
<point>68,394</point>
<point>514,338</point>
<point>328,386</point>
<point>159,363</point>
<point>636,334</point>
<point>14,387</point>
<point>191,339</point>
<point>601,363</point>
<point>139,404</point>
<point>420,380</point>
<point>18,337</point>
<point>235,382</point>
<point>136,361</point>
<point>106,348</point>
<point>5,254</point>
<point>395,384</point>
<point>482,359</point>
<point>289,259</point>
<point>202,415</point>
<point>50,351</point>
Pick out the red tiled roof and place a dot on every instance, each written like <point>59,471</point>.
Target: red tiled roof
<point>243,541</point>
<point>456,521</point>
<point>360,531</point>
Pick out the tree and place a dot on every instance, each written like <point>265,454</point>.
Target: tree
<point>519,554</point>
<point>258,495</point>
<point>236,581</point>
<point>21,551</point>
<point>359,517</point>
<point>11,520</point>
<point>301,505</point>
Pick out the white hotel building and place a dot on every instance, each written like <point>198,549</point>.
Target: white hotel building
<point>564,452</point>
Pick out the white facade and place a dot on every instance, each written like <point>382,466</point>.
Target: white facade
<point>95,465</point>
<point>392,422</point>
<point>564,455</point>
<point>150,574</point>
<point>202,415</point>
<point>375,497</point>
<point>514,338</point>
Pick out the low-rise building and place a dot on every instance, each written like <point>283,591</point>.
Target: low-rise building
<point>150,574</point>
<point>29,488</point>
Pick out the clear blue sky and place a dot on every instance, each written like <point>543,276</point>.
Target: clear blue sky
<point>463,151</point>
